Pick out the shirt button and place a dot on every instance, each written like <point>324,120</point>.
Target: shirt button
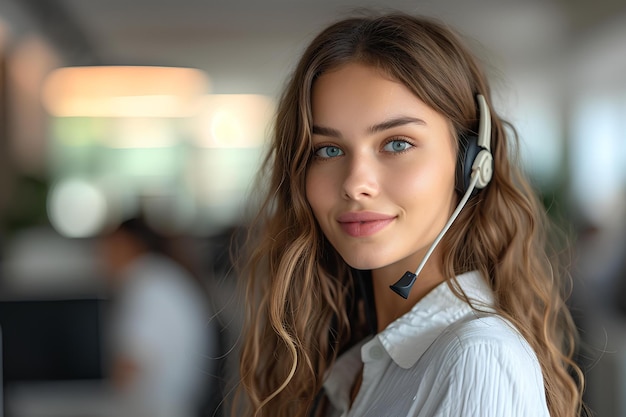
<point>376,352</point>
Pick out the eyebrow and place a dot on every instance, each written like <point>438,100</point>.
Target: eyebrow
<point>379,127</point>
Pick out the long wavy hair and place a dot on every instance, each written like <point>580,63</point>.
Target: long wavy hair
<point>301,308</point>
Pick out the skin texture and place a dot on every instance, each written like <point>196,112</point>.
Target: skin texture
<point>381,184</point>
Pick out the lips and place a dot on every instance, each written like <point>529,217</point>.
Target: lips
<point>363,224</point>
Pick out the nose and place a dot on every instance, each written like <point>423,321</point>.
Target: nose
<point>361,178</point>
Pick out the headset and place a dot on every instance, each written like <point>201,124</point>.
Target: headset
<point>474,173</point>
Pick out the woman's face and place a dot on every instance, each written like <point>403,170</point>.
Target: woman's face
<point>381,182</point>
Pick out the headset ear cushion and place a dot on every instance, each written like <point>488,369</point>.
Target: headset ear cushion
<point>468,150</point>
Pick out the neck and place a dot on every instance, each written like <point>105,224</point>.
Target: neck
<point>389,305</point>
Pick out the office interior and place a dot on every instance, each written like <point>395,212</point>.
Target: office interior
<point>163,107</point>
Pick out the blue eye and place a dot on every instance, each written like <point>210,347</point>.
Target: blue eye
<point>328,152</point>
<point>397,146</point>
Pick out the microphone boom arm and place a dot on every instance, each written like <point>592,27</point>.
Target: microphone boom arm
<point>403,286</point>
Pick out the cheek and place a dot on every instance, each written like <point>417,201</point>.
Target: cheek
<point>320,194</point>
<point>313,190</point>
<point>423,185</point>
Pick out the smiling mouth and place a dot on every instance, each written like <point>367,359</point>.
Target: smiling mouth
<point>365,228</point>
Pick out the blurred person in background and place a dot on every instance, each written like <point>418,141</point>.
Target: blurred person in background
<point>164,344</point>
<point>385,133</point>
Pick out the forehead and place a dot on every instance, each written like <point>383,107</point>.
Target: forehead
<point>357,94</point>
<point>350,84</point>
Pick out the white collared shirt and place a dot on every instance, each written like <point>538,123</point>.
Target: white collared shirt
<point>441,359</point>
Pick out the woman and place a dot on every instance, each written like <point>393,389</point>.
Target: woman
<point>373,157</point>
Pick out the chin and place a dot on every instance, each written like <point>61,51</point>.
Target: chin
<point>364,263</point>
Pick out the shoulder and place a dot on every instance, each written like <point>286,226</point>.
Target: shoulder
<point>484,362</point>
<point>485,329</point>
<point>490,340</point>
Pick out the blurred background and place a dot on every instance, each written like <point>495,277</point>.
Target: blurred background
<point>159,109</point>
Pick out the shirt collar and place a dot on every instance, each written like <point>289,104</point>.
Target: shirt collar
<point>407,338</point>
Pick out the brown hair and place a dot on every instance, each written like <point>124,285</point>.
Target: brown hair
<point>298,287</point>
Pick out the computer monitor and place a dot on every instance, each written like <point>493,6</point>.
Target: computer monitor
<point>51,340</point>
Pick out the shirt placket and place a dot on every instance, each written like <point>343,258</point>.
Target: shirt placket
<point>375,361</point>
